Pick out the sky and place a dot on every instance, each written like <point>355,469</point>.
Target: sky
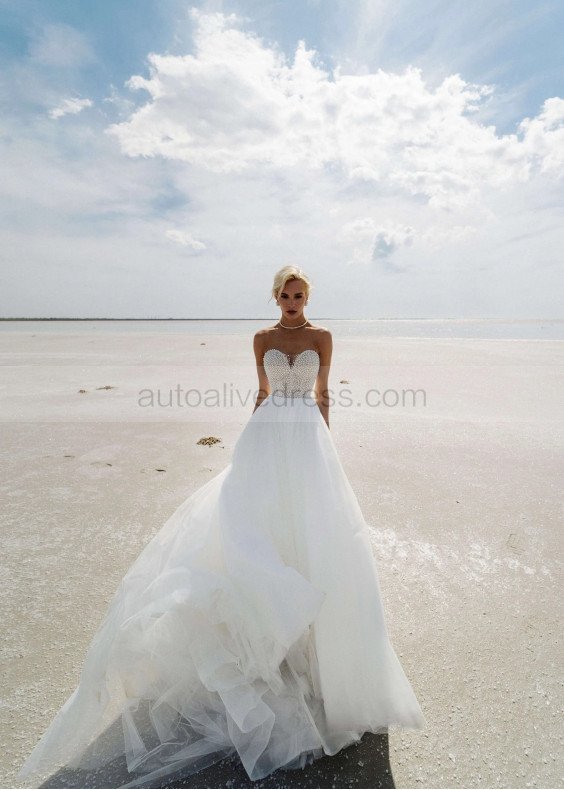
<point>163,159</point>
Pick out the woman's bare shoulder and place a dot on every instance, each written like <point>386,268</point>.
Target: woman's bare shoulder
<point>265,331</point>
<point>261,336</point>
<point>323,335</point>
<point>260,342</point>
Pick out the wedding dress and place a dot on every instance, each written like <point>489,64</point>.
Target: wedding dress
<point>251,623</point>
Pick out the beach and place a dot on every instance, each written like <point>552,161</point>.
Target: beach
<point>453,446</point>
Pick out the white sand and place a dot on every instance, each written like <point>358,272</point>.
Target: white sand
<point>463,494</point>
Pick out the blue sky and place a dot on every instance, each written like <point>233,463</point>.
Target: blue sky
<point>164,159</point>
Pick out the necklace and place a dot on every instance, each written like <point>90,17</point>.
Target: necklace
<point>293,327</point>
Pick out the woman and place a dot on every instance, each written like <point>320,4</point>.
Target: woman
<point>252,623</point>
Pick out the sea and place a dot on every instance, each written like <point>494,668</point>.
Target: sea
<point>479,328</point>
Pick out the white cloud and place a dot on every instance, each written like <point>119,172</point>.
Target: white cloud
<point>543,137</point>
<point>185,239</point>
<point>388,240</point>
<point>238,105</point>
<point>375,242</point>
<point>70,107</point>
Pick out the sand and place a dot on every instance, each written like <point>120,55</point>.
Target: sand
<point>462,492</point>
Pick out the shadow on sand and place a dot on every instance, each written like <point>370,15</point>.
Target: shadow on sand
<point>361,765</point>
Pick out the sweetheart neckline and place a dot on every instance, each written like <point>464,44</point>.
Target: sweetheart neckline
<point>299,354</point>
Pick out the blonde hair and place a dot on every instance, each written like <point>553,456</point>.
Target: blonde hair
<point>287,273</point>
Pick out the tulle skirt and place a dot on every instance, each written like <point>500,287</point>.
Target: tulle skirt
<point>251,624</point>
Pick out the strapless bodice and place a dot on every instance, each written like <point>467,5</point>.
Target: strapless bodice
<point>291,375</point>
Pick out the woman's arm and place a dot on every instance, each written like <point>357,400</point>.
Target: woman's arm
<point>325,345</point>
<point>264,385</point>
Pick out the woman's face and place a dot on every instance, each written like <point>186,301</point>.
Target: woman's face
<point>292,299</point>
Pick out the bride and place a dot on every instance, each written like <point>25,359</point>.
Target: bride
<point>252,623</point>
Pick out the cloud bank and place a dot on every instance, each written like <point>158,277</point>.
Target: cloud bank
<point>238,105</point>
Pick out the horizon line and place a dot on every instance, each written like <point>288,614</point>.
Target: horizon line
<point>319,318</point>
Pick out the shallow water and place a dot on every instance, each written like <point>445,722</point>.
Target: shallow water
<point>483,328</point>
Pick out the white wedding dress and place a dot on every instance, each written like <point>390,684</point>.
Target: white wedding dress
<point>251,623</point>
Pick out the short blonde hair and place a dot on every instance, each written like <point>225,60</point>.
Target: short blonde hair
<point>287,273</point>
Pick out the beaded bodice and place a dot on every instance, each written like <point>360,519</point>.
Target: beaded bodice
<point>291,375</point>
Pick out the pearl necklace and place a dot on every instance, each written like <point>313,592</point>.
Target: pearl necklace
<point>293,327</point>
